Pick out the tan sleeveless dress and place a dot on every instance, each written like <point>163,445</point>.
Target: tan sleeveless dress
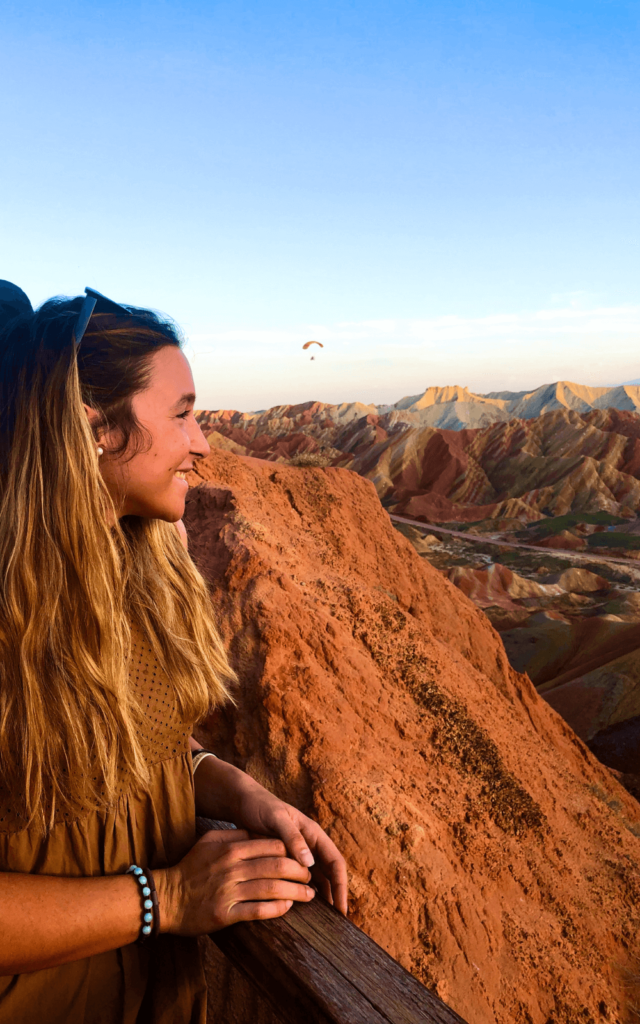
<point>161,982</point>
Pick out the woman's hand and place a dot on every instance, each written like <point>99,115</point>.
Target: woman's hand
<point>252,807</point>
<point>228,877</point>
<point>261,811</point>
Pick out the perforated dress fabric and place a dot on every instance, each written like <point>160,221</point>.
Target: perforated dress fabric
<point>161,982</point>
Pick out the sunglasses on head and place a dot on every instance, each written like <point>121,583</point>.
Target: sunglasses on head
<point>95,302</point>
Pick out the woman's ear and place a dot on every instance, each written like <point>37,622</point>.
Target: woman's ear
<point>102,436</point>
<point>92,415</point>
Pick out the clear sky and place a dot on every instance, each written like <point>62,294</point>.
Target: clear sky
<point>442,192</point>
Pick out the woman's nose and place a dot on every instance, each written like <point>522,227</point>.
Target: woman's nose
<point>198,443</point>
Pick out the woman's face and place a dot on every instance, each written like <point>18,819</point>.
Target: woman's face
<point>152,483</point>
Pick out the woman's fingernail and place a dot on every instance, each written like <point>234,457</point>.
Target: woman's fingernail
<point>288,904</point>
<point>310,892</point>
<point>307,858</point>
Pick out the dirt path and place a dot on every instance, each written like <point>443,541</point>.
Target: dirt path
<point>554,552</point>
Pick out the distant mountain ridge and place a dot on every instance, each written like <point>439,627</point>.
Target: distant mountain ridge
<point>449,408</point>
<point>457,408</point>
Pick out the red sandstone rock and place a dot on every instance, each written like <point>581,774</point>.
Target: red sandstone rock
<point>489,851</point>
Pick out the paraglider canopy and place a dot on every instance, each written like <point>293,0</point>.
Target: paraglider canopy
<point>307,343</point>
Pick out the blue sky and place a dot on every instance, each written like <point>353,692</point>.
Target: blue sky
<point>441,192</point>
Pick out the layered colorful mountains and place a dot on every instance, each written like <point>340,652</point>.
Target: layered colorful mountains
<point>538,465</point>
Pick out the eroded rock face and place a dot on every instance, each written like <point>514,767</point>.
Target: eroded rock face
<point>489,852</point>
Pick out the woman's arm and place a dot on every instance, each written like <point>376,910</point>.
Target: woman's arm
<point>224,792</point>
<point>47,921</point>
<point>226,877</point>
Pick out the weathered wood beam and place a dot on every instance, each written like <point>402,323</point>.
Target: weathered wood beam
<point>315,967</point>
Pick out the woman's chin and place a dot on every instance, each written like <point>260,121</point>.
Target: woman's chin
<point>167,504</point>
<point>174,500</point>
<point>175,513</point>
<point>170,511</point>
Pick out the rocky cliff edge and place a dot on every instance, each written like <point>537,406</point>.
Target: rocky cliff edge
<point>489,852</point>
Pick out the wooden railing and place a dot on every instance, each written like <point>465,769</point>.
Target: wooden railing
<point>314,967</point>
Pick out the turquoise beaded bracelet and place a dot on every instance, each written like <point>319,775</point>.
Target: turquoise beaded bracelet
<point>150,908</point>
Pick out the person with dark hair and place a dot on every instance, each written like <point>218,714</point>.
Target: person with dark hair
<point>109,654</point>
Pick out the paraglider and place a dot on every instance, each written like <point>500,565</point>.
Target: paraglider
<point>306,346</point>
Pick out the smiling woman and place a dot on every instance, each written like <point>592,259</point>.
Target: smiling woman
<point>152,483</point>
<point>109,654</point>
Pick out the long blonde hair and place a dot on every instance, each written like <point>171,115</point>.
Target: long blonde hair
<point>74,579</point>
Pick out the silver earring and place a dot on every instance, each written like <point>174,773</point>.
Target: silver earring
<point>100,451</point>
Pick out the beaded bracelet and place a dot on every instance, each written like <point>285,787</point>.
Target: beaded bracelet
<point>150,907</point>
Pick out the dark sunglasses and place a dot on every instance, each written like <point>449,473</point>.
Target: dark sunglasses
<point>95,302</point>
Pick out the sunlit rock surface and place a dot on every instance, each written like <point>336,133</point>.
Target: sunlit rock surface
<point>489,851</point>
